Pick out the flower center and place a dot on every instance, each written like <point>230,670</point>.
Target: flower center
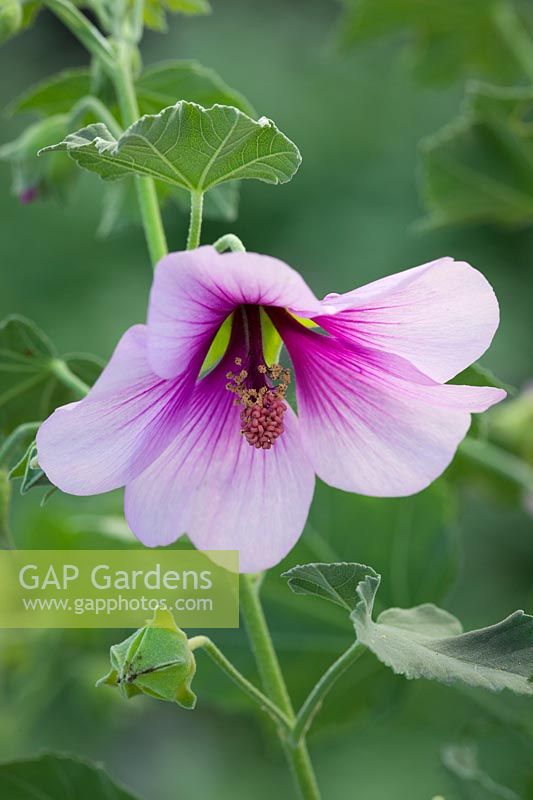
<point>258,388</point>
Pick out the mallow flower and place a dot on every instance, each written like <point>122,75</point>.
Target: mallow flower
<point>214,450</point>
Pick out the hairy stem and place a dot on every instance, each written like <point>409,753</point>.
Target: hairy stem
<point>266,705</point>
<point>229,242</point>
<point>117,63</point>
<point>274,685</point>
<point>146,192</point>
<point>195,224</point>
<point>312,704</point>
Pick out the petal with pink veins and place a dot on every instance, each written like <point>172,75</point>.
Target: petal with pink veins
<point>226,495</point>
<point>371,422</point>
<point>441,316</point>
<point>194,291</point>
<point>128,418</point>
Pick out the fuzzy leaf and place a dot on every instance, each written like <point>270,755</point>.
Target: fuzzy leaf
<point>56,94</point>
<point>479,168</point>
<point>166,83</point>
<point>428,642</point>
<point>188,146</point>
<point>425,641</point>
<point>335,582</point>
<point>55,776</point>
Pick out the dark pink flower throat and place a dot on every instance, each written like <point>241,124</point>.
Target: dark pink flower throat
<point>260,389</point>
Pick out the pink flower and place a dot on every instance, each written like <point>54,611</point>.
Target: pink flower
<point>222,456</point>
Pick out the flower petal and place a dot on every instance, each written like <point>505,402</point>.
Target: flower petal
<point>194,291</point>
<point>440,316</point>
<point>371,422</point>
<point>225,494</point>
<point>129,416</point>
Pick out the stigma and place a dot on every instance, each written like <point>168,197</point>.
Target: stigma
<point>261,391</point>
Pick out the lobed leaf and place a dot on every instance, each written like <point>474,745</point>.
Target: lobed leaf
<point>425,641</point>
<point>187,146</point>
<point>29,386</point>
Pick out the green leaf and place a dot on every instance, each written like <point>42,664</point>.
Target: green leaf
<point>428,642</point>
<point>55,776</point>
<point>54,95</point>
<point>164,84</point>
<point>425,641</point>
<point>155,11</point>
<point>479,168</point>
<point>188,146</point>
<point>29,385</point>
<point>447,38</point>
<point>33,177</point>
<point>337,583</point>
<point>29,472</point>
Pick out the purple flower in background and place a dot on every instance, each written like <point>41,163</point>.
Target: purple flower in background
<point>222,456</point>
<point>29,195</point>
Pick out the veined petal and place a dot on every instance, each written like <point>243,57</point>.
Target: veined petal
<point>128,418</point>
<point>371,422</point>
<point>226,495</point>
<point>194,291</point>
<point>441,316</point>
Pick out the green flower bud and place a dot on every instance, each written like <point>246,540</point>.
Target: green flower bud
<point>10,18</point>
<point>156,660</point>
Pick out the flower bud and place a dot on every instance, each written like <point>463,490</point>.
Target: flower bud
<point>156,660</point>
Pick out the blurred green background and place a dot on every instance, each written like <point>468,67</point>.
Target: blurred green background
<point>345,219</point>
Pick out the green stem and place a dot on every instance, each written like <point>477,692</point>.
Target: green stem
<point>498,460</point>
<point>64,374</point>
<point>84,30</point>
<point>195,224</point>
<point>229,242</point>
<point>238,678</point>
<point>274,685</point>
<point>312,704</point>
<point>146,191</point>
<point>515,34</point>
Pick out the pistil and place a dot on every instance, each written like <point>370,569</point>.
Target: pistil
<point>258,388</point>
